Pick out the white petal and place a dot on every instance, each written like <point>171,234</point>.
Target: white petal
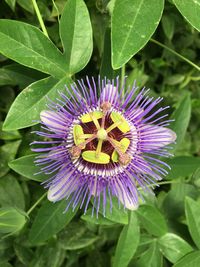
<point>52,120</point>
<point>127,201</point>
<point>60,190</point>
<point>156,136</point>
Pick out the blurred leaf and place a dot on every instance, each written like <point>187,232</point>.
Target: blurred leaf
<point>174,79</point>
<point>93,219</point>
<point>152,220</point>
<point>192,210</point>
<point>128,242</point>
<point>26,167</point>
<point>11,220</point>
<point>168,25</point>
<point>173,203</point>
<point>190,11</point>
<point>17,43</point>
<point>190,260</point>
<point>182,117</point>
<point>49,220</point>
<point>27,5</point>
<point>25,111</point>
<point>182,166</point>
<point>151,257</point>
<point>76,35</point>
<point>129,32</point>
<point>11,4</point>
<point>11,193</point>
<point>12,135</point>
<point>23,253</point>
<point>76,236</point>
<point>138,75</point>
<point>51,255</point>
<point>173,247</point>
<point>58,7</point>
<point>7,153</point>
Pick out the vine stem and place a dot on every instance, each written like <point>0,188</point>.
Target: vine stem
<point>175,53</point>
<point>37,11</point>
<point>36,203</point>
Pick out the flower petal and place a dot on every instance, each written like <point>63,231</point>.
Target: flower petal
<point>62,188</point>
<point>52,120</point>
<point>154,137</point>
<point>126,198</point>
<point>109,94</point>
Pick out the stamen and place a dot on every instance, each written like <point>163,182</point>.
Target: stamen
<point>124,158</point>
<point>85,136</point>
<point>113,126</point>
<point>99,147</point>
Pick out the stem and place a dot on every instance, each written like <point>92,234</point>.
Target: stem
<point>37,11</point>
<point>175,53</point>
<point>36,203</point>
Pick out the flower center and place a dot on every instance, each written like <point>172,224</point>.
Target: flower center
<point>102,134</point>
<point>101,137</point>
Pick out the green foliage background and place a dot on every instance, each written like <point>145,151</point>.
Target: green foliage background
<point>153,42</point>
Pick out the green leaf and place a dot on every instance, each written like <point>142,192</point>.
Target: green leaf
<point>190,10</point>
<point>15,74</point>
<point>25,110</point>
<point>27,5</point>
<point>182,117</point>
<point>190,260</point>
<point>24,254</point>
<point>51,255</point>
<point>151,257</point>
<point>12,135</point>
<point>173,247</point>
<point>11,4</point>
<point>49,220</point>
<point>76,35</point>
<point>192,210</point>
<point>93,219</point>
<point>76,236</point>
<point>168,25</point>
<point>11,220</point>
<point>128,242</point>
<point>26,167</point>
<point>11,193</point>
<point>118,215</point>
<point>7,153</point>
<point>173,203</point>
<point>28,46</point>
<point>182,166</point>
<point>152,220</point>
<point>129,31</point>
<point>106,66</point>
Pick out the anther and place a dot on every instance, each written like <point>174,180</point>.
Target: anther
<point>75,152</point>
<point>105,106</point>
<point>124,159</point>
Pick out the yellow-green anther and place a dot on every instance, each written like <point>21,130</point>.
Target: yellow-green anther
<point>88,117</point>
<point>123,124</point>
<point>77,133</point>
<point>122,146</point>
<point>90,156</point>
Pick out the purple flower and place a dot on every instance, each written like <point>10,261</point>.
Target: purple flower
<point>103,142</point>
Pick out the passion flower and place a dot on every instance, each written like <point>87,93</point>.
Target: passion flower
<point>102,142</point>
